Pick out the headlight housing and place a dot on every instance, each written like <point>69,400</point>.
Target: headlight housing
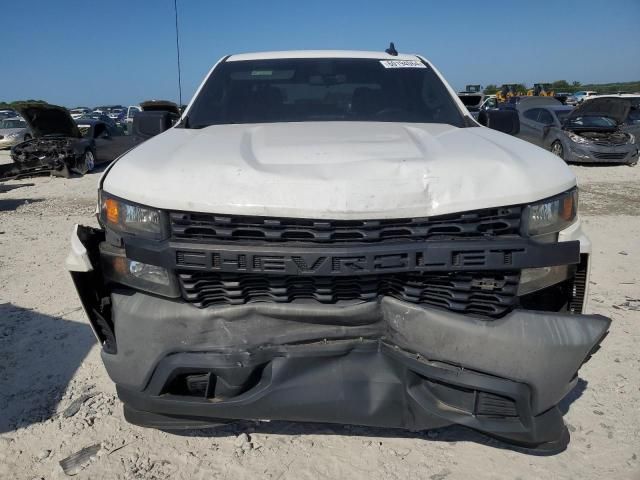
<point>551,215</point>
<point>576,138</point>
<point>13,135</point>
<point>130,218</point>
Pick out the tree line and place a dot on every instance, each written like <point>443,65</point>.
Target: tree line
<point>18,103</point>
<point>564,86</point>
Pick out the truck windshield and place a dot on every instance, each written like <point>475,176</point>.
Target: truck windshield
<point>323,89</point>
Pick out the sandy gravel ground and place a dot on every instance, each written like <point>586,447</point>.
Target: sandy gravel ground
<point>56,399</point>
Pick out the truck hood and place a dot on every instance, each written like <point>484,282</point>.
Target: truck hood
<point>336,170</point>
<point>49,120</point>
<point>612,107</point>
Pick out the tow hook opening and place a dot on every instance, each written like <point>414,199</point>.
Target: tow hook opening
<point>216,384</point>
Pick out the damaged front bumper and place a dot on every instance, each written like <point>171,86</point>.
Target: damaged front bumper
<point>40,156</point>
<point>626,154</point>
<point>385,363</point>
<point>33,167</point>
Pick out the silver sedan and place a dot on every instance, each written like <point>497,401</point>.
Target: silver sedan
<point>13,131</point>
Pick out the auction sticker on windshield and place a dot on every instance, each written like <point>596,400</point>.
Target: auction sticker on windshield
<point>402,64</point>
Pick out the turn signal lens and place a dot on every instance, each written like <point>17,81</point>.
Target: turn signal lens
<point>111,210</point>
<point>568,210</point>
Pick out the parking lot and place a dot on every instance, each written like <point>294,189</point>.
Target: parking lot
<point>56,398</point>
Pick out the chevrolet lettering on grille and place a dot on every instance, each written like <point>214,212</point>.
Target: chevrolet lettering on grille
<point>425,256</point>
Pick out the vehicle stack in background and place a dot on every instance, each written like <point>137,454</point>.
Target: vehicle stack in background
<point>49,139</point>
<point>578,127</point>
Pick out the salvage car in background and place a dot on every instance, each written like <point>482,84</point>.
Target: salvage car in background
<point>57,145</point>
<point>78,112</point>
<point>329,236</point>
<point>571,100</point>
<point>537,114</point>
<point>582,95</point>
<point>13,131</point>
<point>591,132</point>
<point>632,123</point>
<point>8,113</point>
<point>98,116</point>
<point>132,111</point>
<point>107,109</point>
<point>473,99</point>
<point>61,146</point>
<point>109,142</point>
<point>489,103</point>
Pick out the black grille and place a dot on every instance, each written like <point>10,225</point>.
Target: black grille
<point>201,226</point>
<point>610,144</point>
<point>485,293</point>
<point>610,155</point>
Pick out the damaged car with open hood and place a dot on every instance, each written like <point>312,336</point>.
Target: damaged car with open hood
<point>328,236</point>
<point>594,131</point>
<point>56,146</point>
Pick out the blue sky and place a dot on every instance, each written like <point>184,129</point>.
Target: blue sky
<point>74,52</point>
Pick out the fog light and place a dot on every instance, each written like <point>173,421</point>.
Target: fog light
<point>534,279</point>
<point>117,268</point>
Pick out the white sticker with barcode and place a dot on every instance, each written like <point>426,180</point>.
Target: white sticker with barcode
<point>402,64</point>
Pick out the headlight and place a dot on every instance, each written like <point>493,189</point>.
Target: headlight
<point>577,138</point>
<point>552,215</point>
<point>13,135</point>
<point>632,138</point>
<point>130,218</point>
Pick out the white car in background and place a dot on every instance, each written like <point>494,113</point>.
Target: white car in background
<point>79,112</point>
<point>132,111</point>
<point>490,102</point>
<point>329,236</point>
<point>582,95</point>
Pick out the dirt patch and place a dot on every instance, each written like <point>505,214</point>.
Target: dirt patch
<point>604,198</point>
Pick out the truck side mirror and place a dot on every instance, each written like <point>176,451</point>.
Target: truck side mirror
<point>149,124</point>
<point>505,121</point>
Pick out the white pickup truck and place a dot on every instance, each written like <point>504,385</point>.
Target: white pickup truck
<point>329,236</point>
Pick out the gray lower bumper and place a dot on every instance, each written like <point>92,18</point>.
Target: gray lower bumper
<point>542,350</point>
<point>387,364</point>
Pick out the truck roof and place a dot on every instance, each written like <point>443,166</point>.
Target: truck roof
<point>381,55</point>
